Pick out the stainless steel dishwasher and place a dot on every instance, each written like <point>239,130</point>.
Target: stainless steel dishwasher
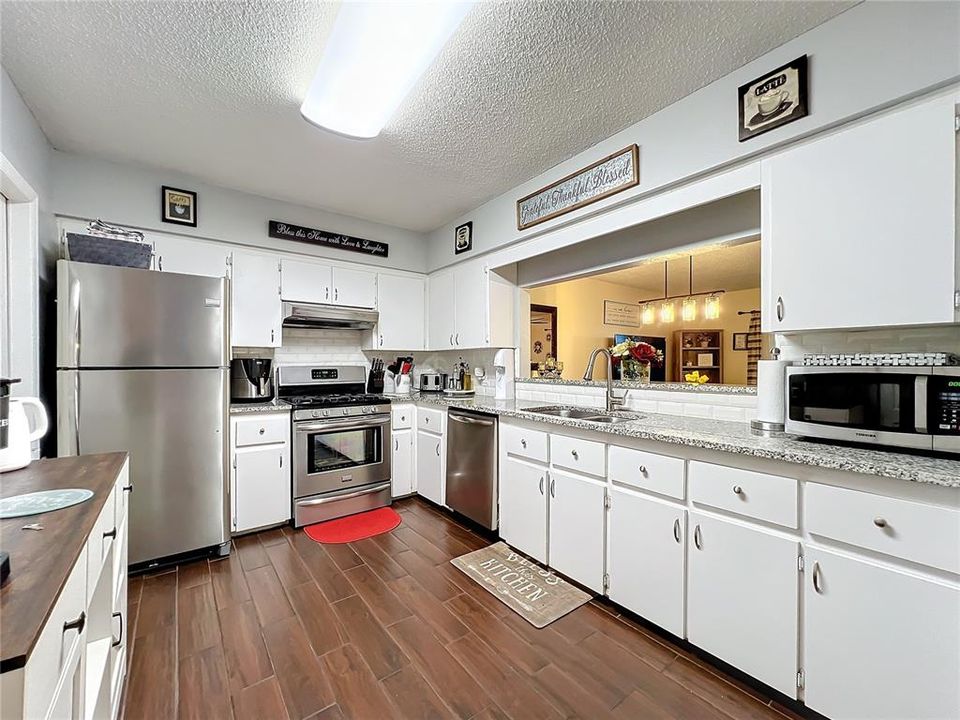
<point>472,465</point>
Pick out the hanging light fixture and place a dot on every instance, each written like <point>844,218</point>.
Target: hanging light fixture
<point>667,309</point>
<point>711,307</point>
<point>648,315</point>
<point>688,305</point>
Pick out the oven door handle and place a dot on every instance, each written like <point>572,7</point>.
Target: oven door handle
<point>347,496</point>
<point>359,422</point>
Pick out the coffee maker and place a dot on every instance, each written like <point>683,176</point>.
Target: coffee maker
<point>251,380</point>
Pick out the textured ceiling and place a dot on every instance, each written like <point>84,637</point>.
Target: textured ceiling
<point>735,267</point>
<point>214,88</point>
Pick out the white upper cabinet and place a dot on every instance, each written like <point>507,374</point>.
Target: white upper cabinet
<point>442,319</point>
<point>179,255</point>
<point>306,281</point>
<point>470,307</point>
<point>354,288</point>
<point>256,300</point>
<point>859,229</point>
<point>402,304</point>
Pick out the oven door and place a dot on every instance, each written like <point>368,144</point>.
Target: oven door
<point>332,455</point>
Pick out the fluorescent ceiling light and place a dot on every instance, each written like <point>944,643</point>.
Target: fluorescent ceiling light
<point>375,54</point>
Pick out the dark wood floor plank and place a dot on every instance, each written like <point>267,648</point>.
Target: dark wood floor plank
<point>260,702</point>
<point>491,713</point>
<point>194,573</point>
<point>134,588</point>
<point>432,530</point>
<point>303,683</point>
<point>428,608</point>
<point>622,668</point>
<point>152,686</point>
<point>719,693</point>
<point>390,543</point>
<point>575,626</point>
<point>382,654</point>
<point>384,603</point>
<point>358,693</point>
<point>569,696</point>
<point>268,596</point>
<point>413,696</point>
<point>460,691</point>
<point>287,564</point>
<point>331,580</point>
<point>513,693</point>
<point>515,650</point>
<point>204,692</point>
<point>377,560</point>
<point>632,637</point>
<point>331,713</point>
<point>251,552</point>
<point>421,545</point>
<point>246,655</point>
<point>158,604</point>
<point>427,574</point>
<point>229,582</point>
<point>342,555</point>
<point>469,587</point>
<point>638,705</point>
<point>274,536</point>
<point>322,626</point>
<point>198,624</point>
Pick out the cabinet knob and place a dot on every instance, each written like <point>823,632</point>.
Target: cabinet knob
<point>523,442</point>
<point>262,430</point>
<point>737,490</point>
<point>643,470</point>
<point>880,522</point>
<point>403,418</point>
<point>576,455</point>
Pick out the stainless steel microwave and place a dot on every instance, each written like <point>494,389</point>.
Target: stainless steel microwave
<point>908,407</point>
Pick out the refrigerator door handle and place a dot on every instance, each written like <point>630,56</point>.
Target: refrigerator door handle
<point>76,411</point>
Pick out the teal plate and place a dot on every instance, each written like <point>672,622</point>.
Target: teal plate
<point>40,502</point>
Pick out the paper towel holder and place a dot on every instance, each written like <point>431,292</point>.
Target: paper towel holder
<point>764,428</point>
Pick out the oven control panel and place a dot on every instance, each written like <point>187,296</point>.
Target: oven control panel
<point>946,406</point>
<point>324,374</point>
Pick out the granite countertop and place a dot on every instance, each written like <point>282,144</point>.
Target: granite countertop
<point>730,437</point>
<point>239,408</point>
<point>633,385</point>
<point>41,561</point>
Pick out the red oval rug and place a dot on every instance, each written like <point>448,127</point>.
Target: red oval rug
<point>354,527</point>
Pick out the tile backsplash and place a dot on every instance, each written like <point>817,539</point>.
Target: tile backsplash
<point>311,345</point>
<point>932,339</point>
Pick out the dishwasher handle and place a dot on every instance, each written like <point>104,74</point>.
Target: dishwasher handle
<point>466,420</point>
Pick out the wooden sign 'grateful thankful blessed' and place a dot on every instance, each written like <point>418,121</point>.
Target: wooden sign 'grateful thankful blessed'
<point>286,231</point>
<point>605,177</point>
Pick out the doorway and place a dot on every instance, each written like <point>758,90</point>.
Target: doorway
<point>543,334</point>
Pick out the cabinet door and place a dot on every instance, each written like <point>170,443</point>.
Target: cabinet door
<point>852,222</point>
<point>646,555</point>
<point>190,257</point>
<point>742,598</point>
<point>306,281</point>
<point>401,472</point>
<point>261,492</point>
<point>256,300</point>
<point>471,306</point>
<point>879,643</point>
<point>402,312</point>
<point>576,528</point>
<point>442,317</point>
<point>430,461</point>
<point>354,288</point>
<point>523,507</point>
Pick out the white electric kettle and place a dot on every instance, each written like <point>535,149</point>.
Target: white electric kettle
<point>20,435</point>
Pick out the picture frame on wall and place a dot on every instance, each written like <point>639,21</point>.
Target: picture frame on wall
<point>178,206</point>
<point>774,99</point>
<point>740,341</point>
<point>463,238</point>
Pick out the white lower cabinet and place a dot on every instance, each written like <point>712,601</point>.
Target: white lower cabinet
<point>523,507</point>
<point>260,483</point>
<point>401,464</point>
<point>431,466</point>
<point>742,598</point>
<point>646,557</point>
<point>576,527</point>
<point>879,642</point>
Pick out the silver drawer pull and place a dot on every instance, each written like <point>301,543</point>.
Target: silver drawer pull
<point>553,487</point>
<point>697,538</point>
<point>817,582</point>
<point>262,431</point>
<point>880,522</point>
<point>676,529</point>
<point>737,490</point>
<point>541,484</point>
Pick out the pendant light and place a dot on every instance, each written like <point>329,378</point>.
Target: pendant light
<point>648,315</point>
<point>711,307</point>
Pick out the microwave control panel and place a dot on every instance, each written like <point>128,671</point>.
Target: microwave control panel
<point>946,408</point>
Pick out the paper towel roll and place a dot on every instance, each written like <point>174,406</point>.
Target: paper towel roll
<point>771,388</point>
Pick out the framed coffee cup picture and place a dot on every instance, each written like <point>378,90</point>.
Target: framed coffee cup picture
<point>774,99</point>
<point>178,206</point>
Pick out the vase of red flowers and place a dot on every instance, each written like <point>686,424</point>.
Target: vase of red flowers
<point>636,358</point>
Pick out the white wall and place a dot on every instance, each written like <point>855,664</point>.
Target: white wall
<point>87,187</point>
<point>867,58</point>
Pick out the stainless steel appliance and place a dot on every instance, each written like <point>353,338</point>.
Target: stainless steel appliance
<point>251,380</point>
<point>142,367</point>
<point>910,407</point>
<point>312,315</point>
<point>433,382</point>
<point>472,465</point>
<point>341,442</point>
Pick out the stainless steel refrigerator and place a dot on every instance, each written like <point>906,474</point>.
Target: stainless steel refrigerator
<point>142,366</point>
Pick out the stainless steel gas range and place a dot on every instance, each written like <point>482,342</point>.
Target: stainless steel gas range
<point>341,442</point>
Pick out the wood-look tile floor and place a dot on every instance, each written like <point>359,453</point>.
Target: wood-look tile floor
<point>387,628</point>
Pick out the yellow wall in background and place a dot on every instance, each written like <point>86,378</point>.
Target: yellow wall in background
<point>580,326</point>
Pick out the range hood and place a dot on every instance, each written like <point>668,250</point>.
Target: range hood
<point>311,315</point>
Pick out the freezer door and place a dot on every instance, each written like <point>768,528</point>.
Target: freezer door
<point>174,425</point>
<point>112,317</point>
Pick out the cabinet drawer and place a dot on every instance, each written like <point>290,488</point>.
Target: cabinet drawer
<point>905,529</point>
<point>757,495</point>
<point>262,430</point>
<point>648,471</point>
<point>102,538</point>
<point>584,456</point>
<point>530,444</point>
<point>55,645</point>
<point>402,417</point>
<point>430,420</point>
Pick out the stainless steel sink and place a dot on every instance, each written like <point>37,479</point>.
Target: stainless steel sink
<point>587,414</point>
